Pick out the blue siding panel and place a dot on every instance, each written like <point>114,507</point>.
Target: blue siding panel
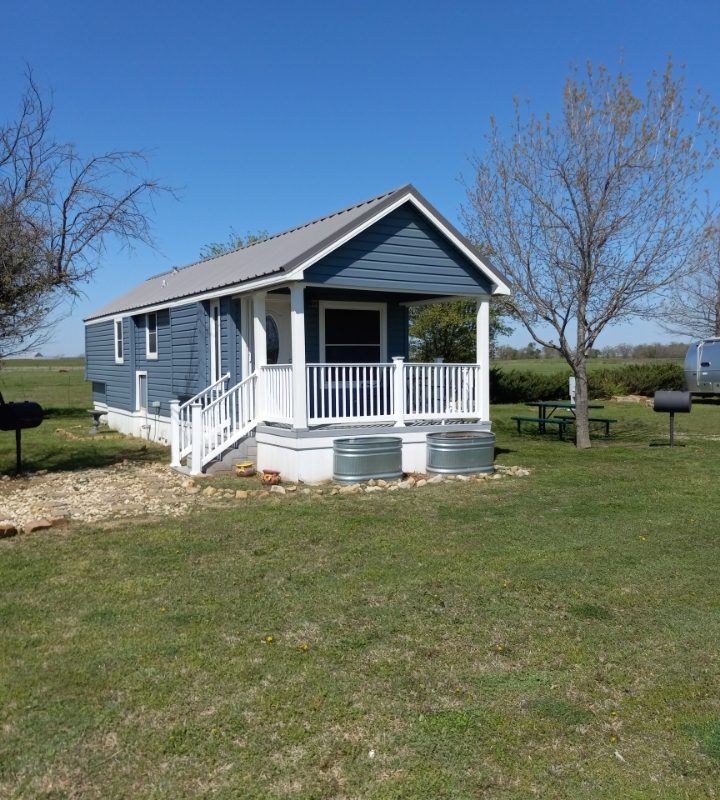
<point>401,252</point>
<point>101,366</point>
<point>159,370</point>
<point>188,324</point>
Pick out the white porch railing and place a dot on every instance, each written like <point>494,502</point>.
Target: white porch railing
<point>349,393</point>
<point>399,392</point>
<point>277,393</point>
<point>442,391</point>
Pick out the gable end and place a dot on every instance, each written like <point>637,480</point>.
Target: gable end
<point>403,251</point>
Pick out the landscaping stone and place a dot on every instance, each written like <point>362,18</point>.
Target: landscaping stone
<point>241,494</point>
<point>277,490</point>
<point>7,530</point>
<point>37,525</point>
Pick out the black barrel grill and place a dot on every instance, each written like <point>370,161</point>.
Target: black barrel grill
<point>672,403</point>
<point>16,417</point>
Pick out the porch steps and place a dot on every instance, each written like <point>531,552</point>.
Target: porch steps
<point>244,450</point>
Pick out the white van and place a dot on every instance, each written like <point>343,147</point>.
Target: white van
<point>702,367</point>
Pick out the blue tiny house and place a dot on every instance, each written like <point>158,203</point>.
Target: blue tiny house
<point>296,340</point>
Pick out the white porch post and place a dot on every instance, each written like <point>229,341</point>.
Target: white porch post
<point>260,342</point>
<point>299,372</point>
<point>482,333</point>
<point>399,390</point>
<point>246,357</point>
<point>197,439</point>
<point>174,433</point>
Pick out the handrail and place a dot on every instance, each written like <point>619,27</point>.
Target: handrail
<point>206,391</point>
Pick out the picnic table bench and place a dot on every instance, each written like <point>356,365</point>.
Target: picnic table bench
<point>561,423</point>
<point>546,416</point>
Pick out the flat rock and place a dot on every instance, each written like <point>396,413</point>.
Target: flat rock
<point>277,490</point>
<point>37,525</point>
<point>7,529</point>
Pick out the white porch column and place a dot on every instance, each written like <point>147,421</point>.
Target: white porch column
<point>299,371</point>
<point>246,324</point>
<point>482,334</point>
<point>174,433</point>
<point>399,390</point>
<point>197,439</point>
<point>260,360</point>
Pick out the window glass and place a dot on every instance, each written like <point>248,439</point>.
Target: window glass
<point>118,340</point>
<point>352,335</point>
<point>152,334</point>
<point>273,340</point>
<point>142,400</point>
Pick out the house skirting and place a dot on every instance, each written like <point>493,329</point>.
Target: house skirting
<point>307,455</point>
<point>142,424</point>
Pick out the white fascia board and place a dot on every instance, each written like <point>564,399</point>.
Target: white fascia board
<point>500,287</point>
<point>237,290</point>
<point>433,301</point>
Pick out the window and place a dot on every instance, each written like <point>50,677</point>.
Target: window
<point>151,335</point>
<point>273,340</point>
<point>118,341</point>
<point>352,333</point>
<point>141,391</point>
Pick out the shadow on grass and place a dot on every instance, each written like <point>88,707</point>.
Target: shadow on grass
<point>59,460</point>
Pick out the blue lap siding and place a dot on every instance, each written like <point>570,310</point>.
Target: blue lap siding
<point>401,252</point>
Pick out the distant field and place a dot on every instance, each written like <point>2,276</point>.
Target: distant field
<point>548,365</point>
<point>54,383</point>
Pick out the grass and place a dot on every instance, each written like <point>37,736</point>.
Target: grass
<point>553,636</point>
<point>63,441</point>
<point>546,366</point>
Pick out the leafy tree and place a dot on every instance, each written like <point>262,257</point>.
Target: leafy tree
<point>693,306</point>
<point>234,242</point>
<point>592,214</point>
<point>57,214</point>
<point>447,330</point>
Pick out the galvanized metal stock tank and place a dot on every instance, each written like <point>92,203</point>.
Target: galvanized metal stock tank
<point>461,452</point>
<point>360,458</point>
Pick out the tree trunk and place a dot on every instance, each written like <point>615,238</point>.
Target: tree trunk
<point>582,426</point>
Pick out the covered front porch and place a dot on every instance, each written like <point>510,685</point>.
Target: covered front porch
<point>296,409</point>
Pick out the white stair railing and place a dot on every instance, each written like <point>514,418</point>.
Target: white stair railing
<point>181,418</point>
<point>212,421</point>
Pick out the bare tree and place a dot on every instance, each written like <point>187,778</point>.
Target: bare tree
<point>57,214</point>
<point>591,215</point>
<point>693,305</point>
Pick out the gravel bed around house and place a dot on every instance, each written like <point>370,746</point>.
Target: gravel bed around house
<point>43,500</point>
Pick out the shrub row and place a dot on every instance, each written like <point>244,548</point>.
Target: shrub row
<point>515,386</point>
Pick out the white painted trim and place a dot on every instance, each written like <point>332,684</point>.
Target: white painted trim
<point>433,301</point>
<point>215,340</point>
<point>350,305</point>
<point>121,359</point>
<point>150,355</point>
<point>138,408</point>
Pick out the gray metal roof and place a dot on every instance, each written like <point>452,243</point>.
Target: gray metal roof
<point>275,256</point>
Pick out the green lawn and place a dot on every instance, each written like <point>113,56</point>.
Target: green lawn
<point>554,636</point>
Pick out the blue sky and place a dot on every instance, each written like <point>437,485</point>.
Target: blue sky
<point>268,115</point>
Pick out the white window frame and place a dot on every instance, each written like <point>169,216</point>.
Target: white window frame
<point>350,305</point>
<point>139,374</point>
<point>149,354</point>
<point>119,359</point>
<point>215,342</point>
